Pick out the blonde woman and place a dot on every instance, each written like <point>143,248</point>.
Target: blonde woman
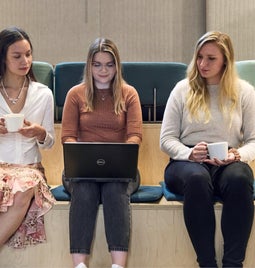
<point>103,108</point>
<point>212,104</point>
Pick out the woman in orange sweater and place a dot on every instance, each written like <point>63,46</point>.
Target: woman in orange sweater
<point>103,108</point>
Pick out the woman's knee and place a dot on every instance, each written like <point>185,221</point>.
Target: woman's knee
<point>85,192</point>
<point>115,193</point>
<point>134,185</point>
<point>199,182</point>
<point>185,176</point>
<point>238,175</point>
<point>237,180</point>
<point>23,199</point>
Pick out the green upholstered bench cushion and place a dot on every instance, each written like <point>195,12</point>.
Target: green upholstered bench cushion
<point>60,193</point>
<point>170,196</point>
<point>143,194</point>
<point>147,194</point>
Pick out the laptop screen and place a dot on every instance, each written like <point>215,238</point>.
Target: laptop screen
<point>96,161</point>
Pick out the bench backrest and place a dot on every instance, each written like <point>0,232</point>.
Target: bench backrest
<point>153,81</point>
<point>246,70</point>
<point>44,73</point>
<point>67,74</point>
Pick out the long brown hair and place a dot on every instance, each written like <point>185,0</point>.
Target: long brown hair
<point>104,45</point>
<point>8,37</point>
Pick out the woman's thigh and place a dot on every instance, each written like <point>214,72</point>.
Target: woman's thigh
<point>235,177</point>
<point>179,175</point>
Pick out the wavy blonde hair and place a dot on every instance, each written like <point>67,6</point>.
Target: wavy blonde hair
<point>198,95</point>
<point>104,45</point>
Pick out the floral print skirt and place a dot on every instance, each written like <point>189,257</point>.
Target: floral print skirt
<point>19,178</point>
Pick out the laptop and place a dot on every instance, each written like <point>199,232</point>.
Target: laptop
<point>102,162</point>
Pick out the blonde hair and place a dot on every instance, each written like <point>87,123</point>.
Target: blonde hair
<point>198,95</point>
<point>104,45</point>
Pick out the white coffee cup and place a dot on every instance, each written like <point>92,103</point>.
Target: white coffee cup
<point>218,150</point>
<point>14,122</point>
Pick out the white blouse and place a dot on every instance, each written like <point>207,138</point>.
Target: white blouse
<point>39,109</point>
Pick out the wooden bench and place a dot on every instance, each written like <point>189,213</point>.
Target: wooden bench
<point>159,238</point>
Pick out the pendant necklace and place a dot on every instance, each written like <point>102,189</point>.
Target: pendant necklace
<point>13,100</point>
<point>103,97</point>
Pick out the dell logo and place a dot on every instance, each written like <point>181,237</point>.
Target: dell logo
<point>100,162</point>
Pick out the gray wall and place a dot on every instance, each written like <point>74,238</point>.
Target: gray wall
<point>144,30</point>
<point>235,17</point>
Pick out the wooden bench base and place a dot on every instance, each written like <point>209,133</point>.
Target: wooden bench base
<point>159,240</point>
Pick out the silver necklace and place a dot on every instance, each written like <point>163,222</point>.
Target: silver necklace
<point>13,100</point>
<point>103,97</point>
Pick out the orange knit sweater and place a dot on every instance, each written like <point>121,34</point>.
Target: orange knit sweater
<point>102,125</point>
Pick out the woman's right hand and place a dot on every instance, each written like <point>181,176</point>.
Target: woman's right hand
<point>3,129</point>
<point>199,152</point>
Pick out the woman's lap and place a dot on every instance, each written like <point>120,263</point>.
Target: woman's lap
<point>18,178</point>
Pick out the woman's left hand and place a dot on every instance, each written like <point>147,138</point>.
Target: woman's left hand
<point>233,156</point>
<point>31,130</point>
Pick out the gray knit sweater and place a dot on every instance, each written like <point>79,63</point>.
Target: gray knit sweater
<point>178,131</point>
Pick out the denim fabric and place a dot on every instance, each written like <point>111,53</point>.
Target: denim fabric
<point>199,183</point>
<point>85,200</point>
<point>132,186</point>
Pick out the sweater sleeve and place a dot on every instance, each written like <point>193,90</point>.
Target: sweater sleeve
<point>48,123</point>
<point>134,116</point>
<point>70,117</point>
<point>247,148</point>
<point>171,125</point>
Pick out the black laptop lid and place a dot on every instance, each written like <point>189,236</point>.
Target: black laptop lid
<point>100,161</point>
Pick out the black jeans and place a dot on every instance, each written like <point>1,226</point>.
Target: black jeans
<point>85,200</point>
<point>199,183</point>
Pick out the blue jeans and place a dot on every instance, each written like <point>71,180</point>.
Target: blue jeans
<point>199,183</point>
<point>85,200</point>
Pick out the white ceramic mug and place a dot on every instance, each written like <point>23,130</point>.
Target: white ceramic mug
<point>218,150</point>
<point>14,122</point>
